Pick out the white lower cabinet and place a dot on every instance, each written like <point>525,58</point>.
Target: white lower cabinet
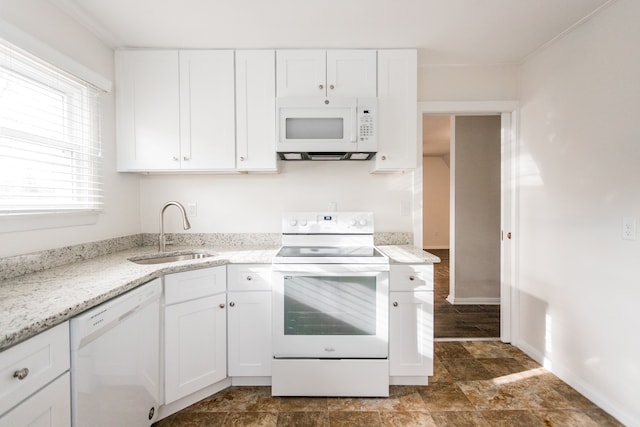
<point>411,324</point>
<point>34,381</point>
<point>50,407</point>
<point>249,317</point>
<point>195,325</point>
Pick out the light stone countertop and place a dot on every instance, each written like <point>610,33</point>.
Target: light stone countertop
<point>32,303</point>
<point>35,302</point>
<point>407,254</point>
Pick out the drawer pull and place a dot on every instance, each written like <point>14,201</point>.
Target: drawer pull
<point>21,374</point>
<point>412,277</point>
<point>395,303</point>
<point>249,278</point>
<point>221,306</point>
<point>232,304</point>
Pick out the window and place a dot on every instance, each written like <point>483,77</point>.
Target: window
<point>50,153</point>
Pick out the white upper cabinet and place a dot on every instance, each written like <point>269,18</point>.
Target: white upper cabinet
<point>330,73</point>
<point>148,110</point>
<point>175,110</point>
<point>397,110</point>
<point>207,121</point>
<point>351,73</point>
<point>256,110</point>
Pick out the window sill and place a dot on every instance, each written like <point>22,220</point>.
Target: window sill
<point>10,223</point>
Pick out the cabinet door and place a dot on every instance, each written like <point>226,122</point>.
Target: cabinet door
<point>250,333</point>
<point>255,110</point>
<point>147,107</point>
<point>195,345</point>
<point>351,73</point>
<point>50,407</point>
<point>301,72</point>
<point>207,120</point>
<point>397,110</point>
<point>411,333</point>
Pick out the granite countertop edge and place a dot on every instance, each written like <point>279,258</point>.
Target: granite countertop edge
<point>35,302</point>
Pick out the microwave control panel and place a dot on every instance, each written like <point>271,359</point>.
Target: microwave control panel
<point>367,123</point>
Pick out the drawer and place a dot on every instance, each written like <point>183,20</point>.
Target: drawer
<point>249,277</point>
<point>194,284</point>
<point>45,356</point>
<point>411,277</point>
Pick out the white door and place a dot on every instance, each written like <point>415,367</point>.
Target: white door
<point>255,110</point>
<point>397,95</point>
<point>411,333</point>
<point>50,407</point>
<point>147,106</point>
<point>301,73</point>
<point>351,73</point>
<point>207,110</point>
<point>249,316</point>
<point>195,345</point>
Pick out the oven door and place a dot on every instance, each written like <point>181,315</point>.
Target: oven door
<point>330,311</point>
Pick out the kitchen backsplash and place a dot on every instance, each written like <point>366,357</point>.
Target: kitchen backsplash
<point>37,261</point>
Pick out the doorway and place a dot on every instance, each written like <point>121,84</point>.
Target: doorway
<point>463,314</point>
<point>461,215</point>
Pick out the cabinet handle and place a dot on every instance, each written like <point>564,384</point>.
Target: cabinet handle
<point>320,87</point>
<point>221,306</point>
<point>242,158</point>
<point>176,158</point>
<point>412,277</point>
<point>186,159</point>
<point>332,87</point>
<point>21,374</point>
<point>384,157</point>
<point>249,278</point>
<point>395,303</point>
<point>232,304</point>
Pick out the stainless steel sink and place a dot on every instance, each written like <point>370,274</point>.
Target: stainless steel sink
<point>161,259</point>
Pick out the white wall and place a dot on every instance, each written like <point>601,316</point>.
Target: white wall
<point>254,203</point>
<point>121,214</point>
<point>436,190</point>
<point>468,83</point>
<point>579,282</point>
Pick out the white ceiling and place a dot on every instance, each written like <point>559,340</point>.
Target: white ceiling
<point>444,31</point>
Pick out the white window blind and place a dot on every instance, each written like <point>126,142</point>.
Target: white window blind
<point>50,152</point>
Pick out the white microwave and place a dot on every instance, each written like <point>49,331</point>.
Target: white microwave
<point>326,129</point>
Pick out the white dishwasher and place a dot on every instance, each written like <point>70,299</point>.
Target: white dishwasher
<point>115,360</point>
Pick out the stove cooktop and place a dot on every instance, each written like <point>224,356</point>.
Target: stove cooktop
<point>330,255</point>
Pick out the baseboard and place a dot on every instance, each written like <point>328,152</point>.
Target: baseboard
<point>569,377</point>
<point>251,381</point>
<point>424,380</point>
<point>473,301</point>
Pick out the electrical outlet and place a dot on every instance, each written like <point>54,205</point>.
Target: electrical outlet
<point>628,228</point>
<point>192,209</point>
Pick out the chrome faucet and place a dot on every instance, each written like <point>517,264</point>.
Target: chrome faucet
<point>185,221</point>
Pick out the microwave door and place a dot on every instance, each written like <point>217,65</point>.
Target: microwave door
<point>319,128</point>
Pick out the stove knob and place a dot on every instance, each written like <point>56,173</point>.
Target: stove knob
<point>293,222</point>
<point>363,222</point>
<point>352,222</point>
<point>303,222</point>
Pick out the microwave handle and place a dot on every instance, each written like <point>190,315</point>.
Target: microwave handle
<point>354,125</point>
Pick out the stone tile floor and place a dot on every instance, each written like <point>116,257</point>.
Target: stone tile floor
<point>459,321</point>
<point>475,383</point>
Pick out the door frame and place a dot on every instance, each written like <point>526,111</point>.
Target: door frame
<point>508,219</point>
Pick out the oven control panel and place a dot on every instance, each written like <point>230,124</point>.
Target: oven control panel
<point>327,223</point>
